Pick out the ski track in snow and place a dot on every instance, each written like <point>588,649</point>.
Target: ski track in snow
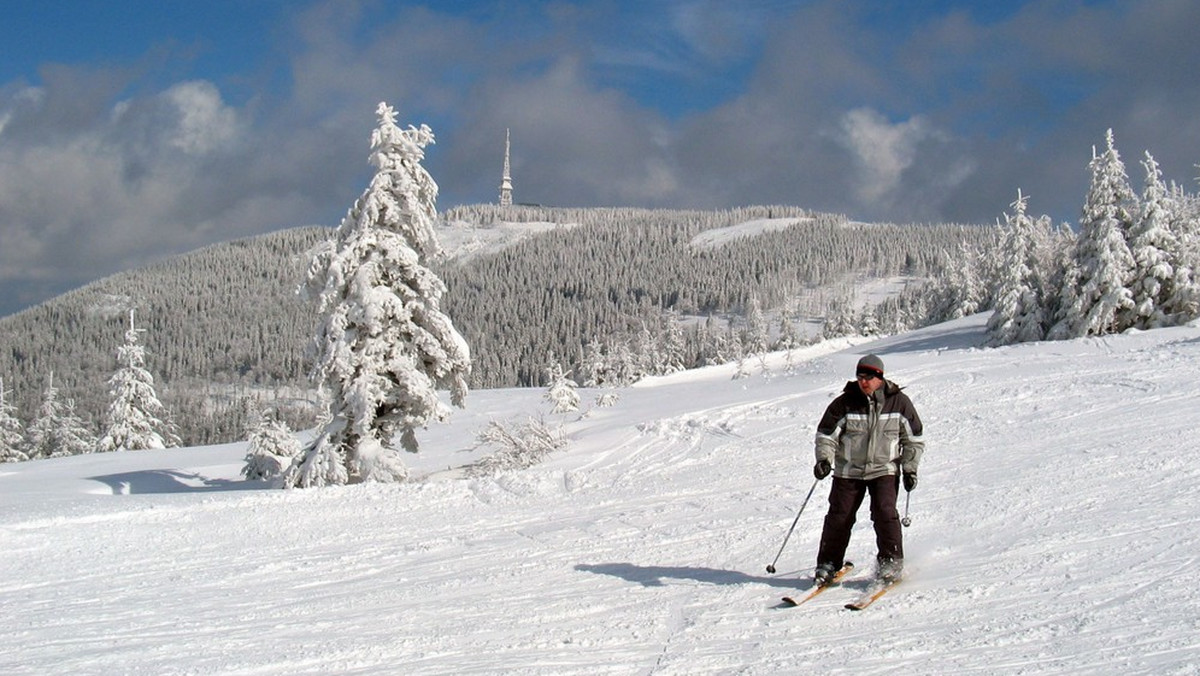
<point>1054,531</point>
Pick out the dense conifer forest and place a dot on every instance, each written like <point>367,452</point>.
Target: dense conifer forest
<point>226,333</point>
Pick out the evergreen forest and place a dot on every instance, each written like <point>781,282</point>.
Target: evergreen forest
<point>618,294</point>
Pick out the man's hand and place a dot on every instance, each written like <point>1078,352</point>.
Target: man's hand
<point>822,469</point>
<point>910,481</point>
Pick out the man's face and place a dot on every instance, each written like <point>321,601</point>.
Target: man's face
<point>868,381</point>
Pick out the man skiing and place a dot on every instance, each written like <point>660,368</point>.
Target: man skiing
<point>870,439</point>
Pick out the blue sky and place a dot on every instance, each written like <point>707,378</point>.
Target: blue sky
<point>134,130</point>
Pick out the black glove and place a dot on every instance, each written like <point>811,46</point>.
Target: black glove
<point>910,481</point>
<point>822,469</point>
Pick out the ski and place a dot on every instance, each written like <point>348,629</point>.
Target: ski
<point>790,602</point>
<point>872,594</point>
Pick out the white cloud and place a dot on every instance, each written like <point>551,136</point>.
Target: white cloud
<point>205,123</point>
<point>883,150</point>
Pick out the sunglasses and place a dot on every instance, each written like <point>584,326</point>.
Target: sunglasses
<point>866,375</point>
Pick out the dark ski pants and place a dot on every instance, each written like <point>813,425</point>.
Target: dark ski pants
<point>845,497</point>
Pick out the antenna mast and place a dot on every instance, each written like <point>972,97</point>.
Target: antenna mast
<point>506,180</point>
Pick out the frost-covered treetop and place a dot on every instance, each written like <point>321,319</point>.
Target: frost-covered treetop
<point>398,154</point>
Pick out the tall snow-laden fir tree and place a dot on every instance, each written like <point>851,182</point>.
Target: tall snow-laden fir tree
<point>1156,254</point>
<point>1099,296</point>
<point>384,347</point>
<point>1019,315</point>
<point>271,448</point>
<point>1184,303</point>
<point>136,419</point>
<point>57,431</point>
<point>12,440</point>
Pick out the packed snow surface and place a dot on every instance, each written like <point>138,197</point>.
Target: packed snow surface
<point>1056,529</point>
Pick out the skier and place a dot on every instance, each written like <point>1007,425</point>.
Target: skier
<point>870,440</point>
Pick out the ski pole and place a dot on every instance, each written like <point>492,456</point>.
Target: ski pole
<point>906,521</point>
<point>771,566</point>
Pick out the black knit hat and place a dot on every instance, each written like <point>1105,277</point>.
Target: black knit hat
<point>870,363</point>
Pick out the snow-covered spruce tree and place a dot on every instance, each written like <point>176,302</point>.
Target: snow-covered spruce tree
<point>868,322</point>
<point>594,365</point>
<point>1019,315</point>
<point>1156,254</point>
<point>960,291</point>
<point>839,319</point>
<point>1184,302</point>
<point>271,449</point>
<point>384,347</point>
<point>754,337</point>
<point>12,440</point>
<point>1103,265</point>
<point>789,334</point>
<point>561,392</point>
<point>57,431</point>
<point>672,348</point>
<point>136,419</point>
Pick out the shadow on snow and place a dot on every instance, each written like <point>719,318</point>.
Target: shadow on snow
<point>171,481</point>
<point>654,576</point>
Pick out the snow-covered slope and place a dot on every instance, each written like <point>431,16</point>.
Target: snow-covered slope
<point>462,241</point>
<point>1056,529</point>
<point>717,237</point>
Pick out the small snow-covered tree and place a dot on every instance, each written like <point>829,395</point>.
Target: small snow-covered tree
<point>384,347</point>
<point>1019,314</point>
<point>754,338</point>
<point>672,348</point>
<point>789,334</point>
<point>57,431</point>
<point>594,366</point>
<point>11,437</point>
<point>136,418</point>
<point>561,392</point>
<point>271,449</point>
<point>868,322</point>
<point>960,292</point>
<point>839,319</point>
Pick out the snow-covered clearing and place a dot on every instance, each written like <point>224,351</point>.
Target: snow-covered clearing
<point>717,237</point>
<point>462,241</point>
<point>1056,529</point>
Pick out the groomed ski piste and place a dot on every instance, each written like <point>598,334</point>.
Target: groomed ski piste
<point>1056,529</point>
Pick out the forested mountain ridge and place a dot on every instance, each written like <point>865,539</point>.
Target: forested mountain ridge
<point>226,331</point>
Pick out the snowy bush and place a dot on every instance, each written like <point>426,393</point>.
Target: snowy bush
<point>271,449</point>
<point>518,446</point>
<point>561,393</point>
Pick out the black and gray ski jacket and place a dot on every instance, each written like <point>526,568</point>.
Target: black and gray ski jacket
<point>868,438</point>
